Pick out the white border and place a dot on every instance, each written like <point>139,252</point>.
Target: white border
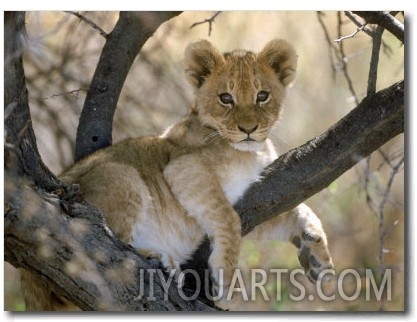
<point>407,5</point>
<point>208,5</point>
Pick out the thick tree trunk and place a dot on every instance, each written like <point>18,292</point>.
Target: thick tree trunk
<point>21,153</point>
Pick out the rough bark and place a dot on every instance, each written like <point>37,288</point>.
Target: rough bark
<point>122,45</point>
<point>66,243</point>
<point>21,154</point>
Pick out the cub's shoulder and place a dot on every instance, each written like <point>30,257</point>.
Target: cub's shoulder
<point>140,153</point>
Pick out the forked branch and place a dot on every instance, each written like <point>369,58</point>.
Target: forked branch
<point>209,21</point>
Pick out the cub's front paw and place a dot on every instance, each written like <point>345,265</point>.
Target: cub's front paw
<point>222,271</point>
<point>222,296</point>
<point>313,252</point>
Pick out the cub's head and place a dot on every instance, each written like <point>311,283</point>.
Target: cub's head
<point>240,93</point>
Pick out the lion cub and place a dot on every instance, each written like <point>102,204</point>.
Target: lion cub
<point>163,194</point>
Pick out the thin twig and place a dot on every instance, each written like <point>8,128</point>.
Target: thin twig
<point>382,231</point>
<point>389,159</point>
<point>353,34</point>
<point>344,59</point>
<point>387,191</point>
<point>385,157</point>
<point>379,210</point>
<point>330,43</point>
<point>369,199</point>
<point>89,22</point>
<point>373,69</point>
<point>73,92</point>
<point>210,21</point>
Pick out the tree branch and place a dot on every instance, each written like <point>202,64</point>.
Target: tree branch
<point>210,22</point>
<point>344,59</point>
<point>131,32</point>
<point>364,28</point>
<point>89,22</point>
<point>21,153</point>
<point>373,68</point>
<point>384,19</point>
<point>353,34</point>
<point>330,43</point>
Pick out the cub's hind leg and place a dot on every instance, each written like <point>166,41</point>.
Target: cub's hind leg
<point>303,229</point>
<point>117,190</point>
<point>119,200</point>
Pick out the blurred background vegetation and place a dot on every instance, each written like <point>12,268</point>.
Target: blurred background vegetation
<point>361,212</point>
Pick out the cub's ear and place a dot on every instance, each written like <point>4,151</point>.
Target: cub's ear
<point>200,60</point>
<point>281,56</point>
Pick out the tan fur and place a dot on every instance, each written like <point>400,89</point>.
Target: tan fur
<point>164,194</point>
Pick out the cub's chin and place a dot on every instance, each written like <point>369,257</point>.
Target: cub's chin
<point>249,146</point>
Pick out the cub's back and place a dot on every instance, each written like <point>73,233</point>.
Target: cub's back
<point>122,180</point>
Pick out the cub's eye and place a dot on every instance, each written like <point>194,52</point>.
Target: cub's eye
<point>226,98</point>
<point>262,96</point>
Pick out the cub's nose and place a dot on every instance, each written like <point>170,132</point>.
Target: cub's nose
<point>248,129</point>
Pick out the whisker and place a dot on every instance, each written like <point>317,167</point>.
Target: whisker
<point>212,137</point>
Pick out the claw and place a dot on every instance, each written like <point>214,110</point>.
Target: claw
<point>314,262</point>
<point>296,241</point>
<point>309,237</point>
<point>303,257</point>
